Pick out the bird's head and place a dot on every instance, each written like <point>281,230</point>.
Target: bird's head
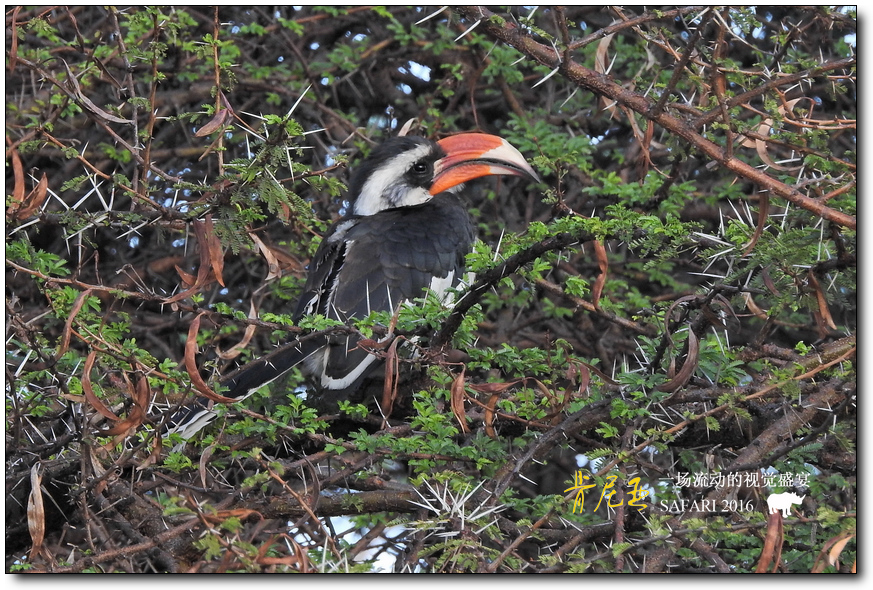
<point>408,171</point>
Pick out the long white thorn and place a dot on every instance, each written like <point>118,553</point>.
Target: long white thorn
<point>474,25</point>
<point>294,106</point>
<point>432,14</point>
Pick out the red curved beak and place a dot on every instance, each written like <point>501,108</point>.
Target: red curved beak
<point>473,155</point>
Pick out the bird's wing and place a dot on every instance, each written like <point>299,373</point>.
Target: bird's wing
<point>324,269</point>
<point>394,256</point>
<point>375,263</point>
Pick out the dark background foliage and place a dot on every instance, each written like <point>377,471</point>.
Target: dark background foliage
<point>677,298</point>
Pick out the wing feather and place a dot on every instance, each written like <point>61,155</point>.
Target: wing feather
<point>374,263</point>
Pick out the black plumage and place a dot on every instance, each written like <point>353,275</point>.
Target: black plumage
<point>386,258</point>
<point>375,263</point>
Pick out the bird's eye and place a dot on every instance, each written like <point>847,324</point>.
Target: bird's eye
<point>420,168</point>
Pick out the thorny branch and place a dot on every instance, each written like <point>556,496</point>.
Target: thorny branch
<point>602,85</point>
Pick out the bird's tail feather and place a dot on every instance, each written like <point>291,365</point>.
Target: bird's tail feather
<point>241,383</point>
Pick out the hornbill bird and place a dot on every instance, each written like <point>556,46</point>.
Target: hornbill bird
<point>407,232</point>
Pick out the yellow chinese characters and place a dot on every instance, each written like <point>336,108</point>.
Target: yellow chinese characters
<point>637,495</point>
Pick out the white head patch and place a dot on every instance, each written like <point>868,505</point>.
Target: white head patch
<point>386,188</point>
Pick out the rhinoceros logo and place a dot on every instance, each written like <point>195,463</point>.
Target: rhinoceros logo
<point>783,502</point>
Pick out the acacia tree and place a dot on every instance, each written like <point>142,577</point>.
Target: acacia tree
<point>660,336</point>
